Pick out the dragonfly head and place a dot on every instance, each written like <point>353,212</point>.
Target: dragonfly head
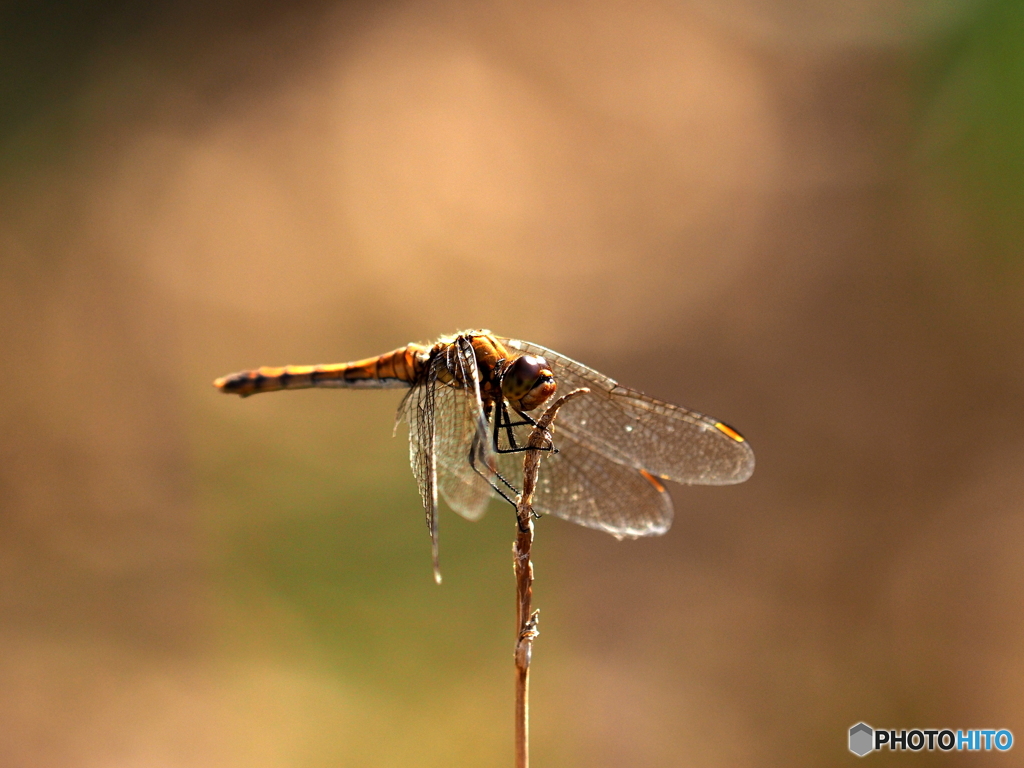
<point>527,382</point>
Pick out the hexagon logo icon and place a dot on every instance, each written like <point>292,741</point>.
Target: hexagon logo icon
<point>861,739</point>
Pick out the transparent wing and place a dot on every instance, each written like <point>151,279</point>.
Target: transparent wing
<point>576,484</point>
<point>446,420</point>
<point>585,487</point>
<point>462,440</point>
<point>466,492</point>
<point>418,411</point>
<point>638,431</point>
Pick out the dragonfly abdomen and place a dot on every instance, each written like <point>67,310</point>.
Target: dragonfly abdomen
<point>399,368</point>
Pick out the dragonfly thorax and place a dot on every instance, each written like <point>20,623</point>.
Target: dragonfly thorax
<point>527,382</point>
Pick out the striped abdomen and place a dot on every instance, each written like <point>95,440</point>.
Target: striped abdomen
<point>399,368</point>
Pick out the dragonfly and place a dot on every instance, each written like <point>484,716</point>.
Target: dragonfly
<point>468,408</point>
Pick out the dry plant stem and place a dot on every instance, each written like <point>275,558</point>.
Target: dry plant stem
<point>526,617</point>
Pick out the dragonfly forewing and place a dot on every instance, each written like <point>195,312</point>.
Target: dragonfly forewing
<point>631,428</point>
<point>446,420</point>
<point>464,455</point>
<point>417,410</point>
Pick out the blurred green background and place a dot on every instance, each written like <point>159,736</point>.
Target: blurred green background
<point>803,217</point>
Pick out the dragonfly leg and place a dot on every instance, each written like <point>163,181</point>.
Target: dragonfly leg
<point>500,414</point>
<point>503,422</point>
<point>527,419</point>
<point>490,474</point>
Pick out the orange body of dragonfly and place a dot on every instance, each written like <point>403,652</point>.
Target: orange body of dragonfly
<point>468,410</point>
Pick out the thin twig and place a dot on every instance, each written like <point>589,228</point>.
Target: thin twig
<point>526,618</point>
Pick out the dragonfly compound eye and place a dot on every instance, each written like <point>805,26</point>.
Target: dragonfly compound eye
<point>528,382</point>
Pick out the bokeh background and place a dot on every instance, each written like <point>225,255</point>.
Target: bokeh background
<point>802,216</point>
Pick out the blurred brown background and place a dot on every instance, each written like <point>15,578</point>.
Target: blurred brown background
<point>803,217</point>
